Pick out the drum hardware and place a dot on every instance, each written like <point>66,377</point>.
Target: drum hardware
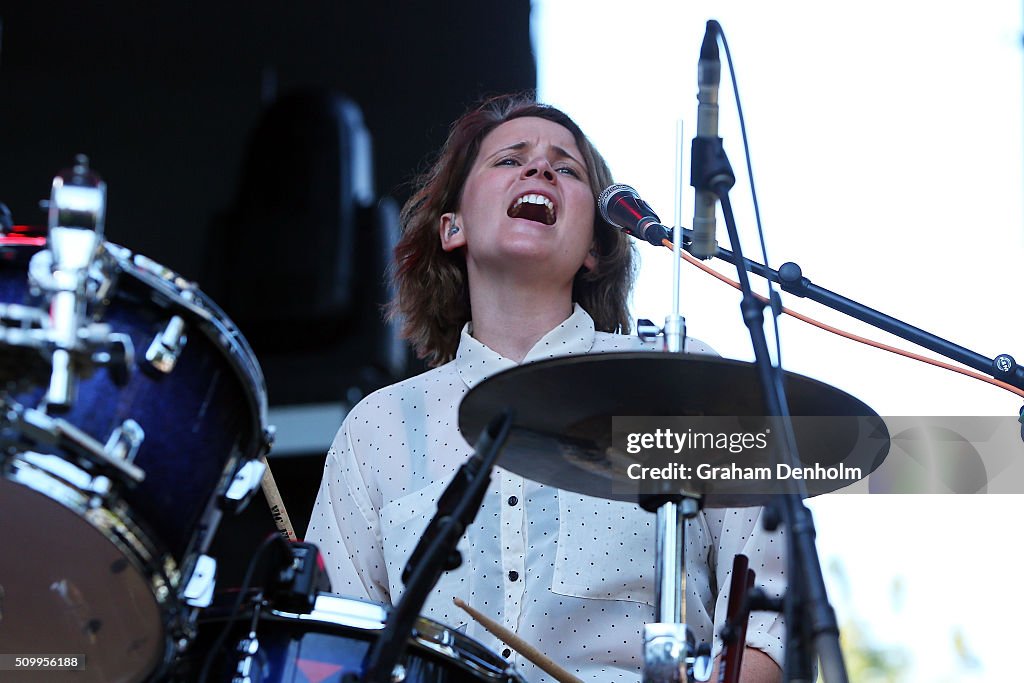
<point>30,330</point>
<point>166,348</point>
<point>276,645</point>
<point>298,580</point>
<point>280,556</point>
<point>668,645</point>
<point>111,504</point>
<point>243,485</point>
<point>125,440</point>
<point>648,330</point>
<point>563,436</point>
<point>62,473</point>
<point>669,652</point>
<point>200,587</point>
<point>38,428</point>
<point>99,277</point>
<point>16,320</point>
<point>76,212</point>
<point>248,648</point>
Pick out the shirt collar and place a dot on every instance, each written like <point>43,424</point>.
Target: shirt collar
<point>476,362</point>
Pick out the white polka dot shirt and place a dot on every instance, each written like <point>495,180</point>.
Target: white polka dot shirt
<point>571,574</point>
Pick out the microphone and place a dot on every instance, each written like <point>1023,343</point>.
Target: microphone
<point>622,207</point>
<point>709,73</point>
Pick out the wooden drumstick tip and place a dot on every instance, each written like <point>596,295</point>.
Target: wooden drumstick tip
<point>519,645</point>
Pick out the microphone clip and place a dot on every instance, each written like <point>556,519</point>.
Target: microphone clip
<point>710,170</point>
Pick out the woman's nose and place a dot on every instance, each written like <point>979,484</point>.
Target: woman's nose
<point>539,166</point>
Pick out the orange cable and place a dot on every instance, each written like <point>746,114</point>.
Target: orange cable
<point>849,335</point>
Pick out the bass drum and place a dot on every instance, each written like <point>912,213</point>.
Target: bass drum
<point>109,505</point>
<point>329,643</point>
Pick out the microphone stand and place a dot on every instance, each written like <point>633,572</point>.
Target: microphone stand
<point>807,601</point>
<point>790,277</point>
<point>435,553</point>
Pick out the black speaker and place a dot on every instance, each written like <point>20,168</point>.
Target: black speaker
<point>285,261</point>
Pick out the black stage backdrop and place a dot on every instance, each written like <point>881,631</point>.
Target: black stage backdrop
<point>164,96</point>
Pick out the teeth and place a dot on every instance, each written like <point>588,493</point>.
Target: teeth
<point>535,199</point>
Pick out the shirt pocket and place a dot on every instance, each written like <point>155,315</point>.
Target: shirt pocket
<point>403,522</point>
<point>605,550</point>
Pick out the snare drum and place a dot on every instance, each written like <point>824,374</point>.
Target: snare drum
<point>332,641</point>
<point>109,504</point>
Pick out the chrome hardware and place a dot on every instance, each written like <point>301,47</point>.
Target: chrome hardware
<point>647,330</point>
<point>269,437</point>
<point>247,648</point>
<point>199,591</point>
<point>124,441</point>
<point>244,484</point>
<point>40,428</point>
<point>166,348</point>
<point>76,212</point>
<point>668,653</point>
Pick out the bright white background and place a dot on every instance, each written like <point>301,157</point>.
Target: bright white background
<point>887,152</point>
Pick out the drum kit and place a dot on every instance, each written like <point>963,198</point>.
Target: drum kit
<point>134,416</point>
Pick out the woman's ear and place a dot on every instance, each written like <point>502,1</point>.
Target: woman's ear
<point>450,232</point>
<point>590,260</point>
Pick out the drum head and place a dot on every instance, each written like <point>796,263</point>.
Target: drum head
<point>67,589</point>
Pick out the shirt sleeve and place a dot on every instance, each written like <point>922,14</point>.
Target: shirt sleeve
<point>739,530</point>
<point>345,525</point>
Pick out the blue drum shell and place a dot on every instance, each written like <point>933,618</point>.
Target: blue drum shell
<point>200,420</point>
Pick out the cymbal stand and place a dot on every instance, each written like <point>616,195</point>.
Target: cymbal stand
<point>669,646</point>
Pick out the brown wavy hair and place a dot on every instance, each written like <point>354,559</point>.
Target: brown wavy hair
<point>432,296</point>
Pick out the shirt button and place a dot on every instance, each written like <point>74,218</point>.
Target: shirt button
<point>512,500</point>
<point>506,652</point>
<point>513,575</point>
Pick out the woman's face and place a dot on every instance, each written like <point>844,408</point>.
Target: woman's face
<point>526,206</point>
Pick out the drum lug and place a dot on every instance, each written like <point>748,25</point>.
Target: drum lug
<point>199,591</point>
<point>244,484</point>
<point>124,441</point>
<point>164,352</point>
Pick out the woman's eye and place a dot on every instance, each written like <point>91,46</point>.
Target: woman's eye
<point>569,171</point>
<point>508,161</point>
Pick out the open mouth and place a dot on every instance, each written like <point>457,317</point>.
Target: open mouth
<point>533,207</point>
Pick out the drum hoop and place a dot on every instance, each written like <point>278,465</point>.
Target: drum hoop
<point>462,650</point>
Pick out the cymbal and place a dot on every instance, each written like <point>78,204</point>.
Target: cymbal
<point>573,417</point>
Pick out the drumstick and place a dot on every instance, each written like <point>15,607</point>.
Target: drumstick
<point>276,503</point>
<point>741,582</point>
<point>519,645</point>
